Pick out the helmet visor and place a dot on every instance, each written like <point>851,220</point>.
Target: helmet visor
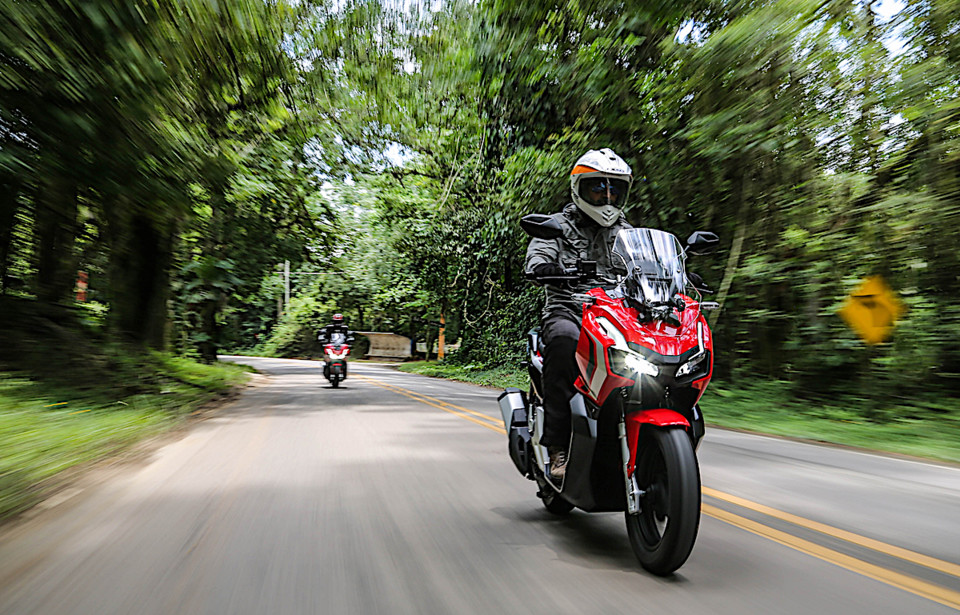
<point>604,190</point>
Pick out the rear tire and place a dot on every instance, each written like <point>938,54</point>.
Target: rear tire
<point>552,501</point>
<point>335,381</point>
<point>663,532</point>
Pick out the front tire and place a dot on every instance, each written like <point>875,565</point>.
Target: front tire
<point>663,532</point>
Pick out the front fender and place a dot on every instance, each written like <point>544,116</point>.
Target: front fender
<point>661,417</point>
<point>658,417</point>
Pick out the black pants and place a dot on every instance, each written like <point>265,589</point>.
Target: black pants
<point>560,335</point>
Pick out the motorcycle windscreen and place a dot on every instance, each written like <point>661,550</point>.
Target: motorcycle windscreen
<point>652,265</point>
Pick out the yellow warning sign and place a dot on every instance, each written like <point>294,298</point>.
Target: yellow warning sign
<point>871,310</point>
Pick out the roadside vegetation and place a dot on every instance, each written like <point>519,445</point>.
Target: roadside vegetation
<point>70,394</point>
<point>47,429</point>
<point>161,162</point>
<point>769,408</point>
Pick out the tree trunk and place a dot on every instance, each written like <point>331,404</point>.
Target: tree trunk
<point>9,193</point>
<point>360,321</point>
<point>428,338</point>
<point>141,253</point>
<point>733,259</point>
<point>208,328</point>
<point>213,248</point>
<point>56,229</point>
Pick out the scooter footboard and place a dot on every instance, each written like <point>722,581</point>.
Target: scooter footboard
<point>513,407</point>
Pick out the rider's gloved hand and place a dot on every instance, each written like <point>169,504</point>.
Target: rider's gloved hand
<point>546,270</point>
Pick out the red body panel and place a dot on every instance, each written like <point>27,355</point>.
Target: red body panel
<point>329,349</point>
<point>597,378</point>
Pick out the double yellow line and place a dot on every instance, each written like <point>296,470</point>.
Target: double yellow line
<point>936,593</point>
<point>483,420</point>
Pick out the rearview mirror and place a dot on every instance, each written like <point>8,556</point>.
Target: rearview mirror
<point>702,242</point>
<point>541,226</point>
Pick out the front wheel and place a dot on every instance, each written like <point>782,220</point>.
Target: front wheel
<point>663,532</point>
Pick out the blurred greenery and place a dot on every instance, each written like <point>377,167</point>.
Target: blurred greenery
<point>499,377</point>
<point>768,407</point>
<point>180,152</point>
<point>45,430</point>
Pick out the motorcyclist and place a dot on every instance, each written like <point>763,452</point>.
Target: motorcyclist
<point>336,330</point>
<point>599,183</point>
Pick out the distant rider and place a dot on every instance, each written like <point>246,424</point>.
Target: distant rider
<point>335,333</point>
<point>599,184</point>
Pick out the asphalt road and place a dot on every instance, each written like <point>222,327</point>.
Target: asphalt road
<point>394,494</point>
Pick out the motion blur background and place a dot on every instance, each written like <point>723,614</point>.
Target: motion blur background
<point>177,153</point>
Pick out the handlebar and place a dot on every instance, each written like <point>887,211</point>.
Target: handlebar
<point>583,271</point>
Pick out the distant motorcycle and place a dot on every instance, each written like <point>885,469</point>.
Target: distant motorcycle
<point>645,356</point>
<point>335,359</point>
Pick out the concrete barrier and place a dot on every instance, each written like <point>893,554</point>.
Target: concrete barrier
<point>389,346</point>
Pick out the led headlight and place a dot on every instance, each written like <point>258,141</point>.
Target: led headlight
<point>638,364</point>
<point>692,365</point>
<point>624,361</point>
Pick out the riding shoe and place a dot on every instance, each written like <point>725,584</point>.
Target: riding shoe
<point>558,464</point>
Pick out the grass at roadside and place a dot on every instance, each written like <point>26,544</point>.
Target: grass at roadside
<point>48,428</point>
<point>501,377</point>
<point>769,408</point>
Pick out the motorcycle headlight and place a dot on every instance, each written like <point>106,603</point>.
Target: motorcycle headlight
<point>692,365</point>
<point>628,363</point>
<point>624,361</point>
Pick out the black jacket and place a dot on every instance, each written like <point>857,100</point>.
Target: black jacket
<point>326,334</point>
<point>582,239</point>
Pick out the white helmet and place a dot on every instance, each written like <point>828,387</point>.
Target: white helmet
<point>599,184</point>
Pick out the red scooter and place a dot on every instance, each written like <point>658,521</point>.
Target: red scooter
<point>645,357</point>
<point>335,359</point>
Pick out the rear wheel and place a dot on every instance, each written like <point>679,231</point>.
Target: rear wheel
<point>663,532</point>
<point>335,380</point>
<point>551,499</point>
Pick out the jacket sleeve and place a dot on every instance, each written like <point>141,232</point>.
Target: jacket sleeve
<point>542,251</point>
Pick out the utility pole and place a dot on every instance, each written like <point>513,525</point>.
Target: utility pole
<point>283,301</point>
<point>286,284</point>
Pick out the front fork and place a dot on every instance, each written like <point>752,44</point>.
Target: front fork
<point>630,482</point>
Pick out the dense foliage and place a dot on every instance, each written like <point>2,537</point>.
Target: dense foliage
<point>181,152</point>
<point>819,139</point>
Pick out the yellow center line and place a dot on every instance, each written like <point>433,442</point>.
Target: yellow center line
<point>910,584</point>
<point>486,417</point>
<point>430,402</point>
<point>869,543</point>
<point>905,582</point>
